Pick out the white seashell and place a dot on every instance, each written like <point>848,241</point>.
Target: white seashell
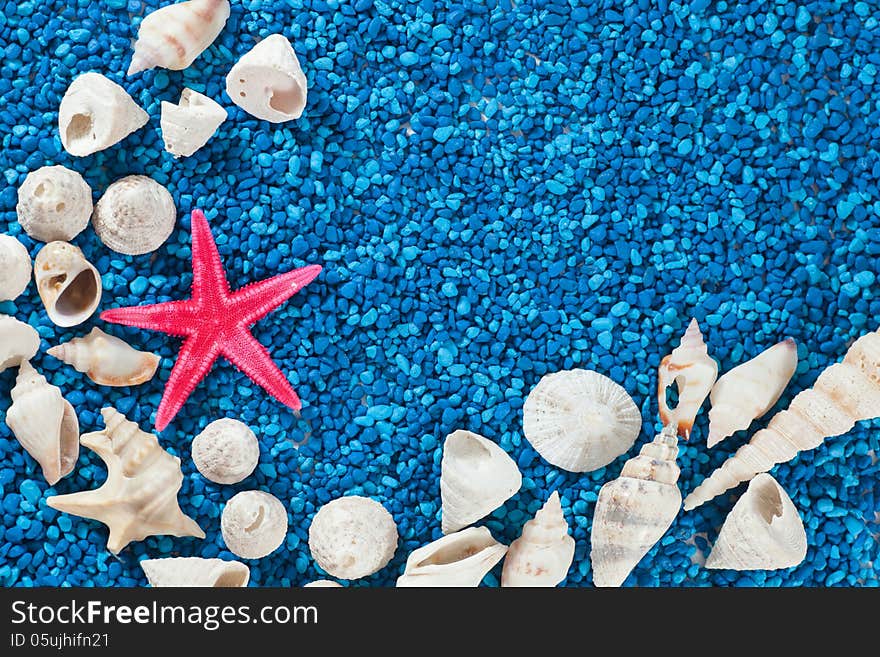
<point>194,571</point>
<point>693,371</point>
<point>95,114</point>
<point>54,203</point>
<point>18,342</point>
<point>174,36</point>
<point>476,477</point>
<point>135,215</point>
<point>544,552</point>
<point>352,537</point>
<point>580,420</point>
<point>268,82</point>
<point>44,423</point>
<point>253,524</point>
<point>188,126</point>
<point>763,531</point>
<point>323,584</point>
<point>139,497</point>
<point>459,559</point>
<point>107,360</point>
<point>226,451</point>
<point>15,268</point>
<point>635,510</point>
<point>68,284</point>
<point>748,391</point>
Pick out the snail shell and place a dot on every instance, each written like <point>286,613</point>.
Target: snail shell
<point>135,215</point>
<point>15,268</point>
<point>226,451</point>
<point>459,559</point>
<point>54,204</point>
<point>18,342</point>
<point>253,524</point>
<point>188,126</point>
<point>544,552</point>
<point>68,284</point>
<point>107,360</point>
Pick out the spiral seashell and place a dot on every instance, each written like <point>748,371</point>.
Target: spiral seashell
<point>268,82</point>
<point>544,552</point>
<point>194,571</point>
<point>748,391</point>
<point>68,284</point>
<point>580,420</point>
<point>323,584</point>
<point>44,423</point>
<point>635,510</point>
<point>95,114</point>
<point>459,559</point>
<point>188,126</point>
<point>174,36</point>
<point>15,268</point>
<point>19,342</point>
<point>844,394</point>
<point>253,524</point>
<point>139,497</point>
<point>54,203</point>
<point>135,215</point>
<point>226,451</point>
<point>476,477</point>
<point>107,360</point>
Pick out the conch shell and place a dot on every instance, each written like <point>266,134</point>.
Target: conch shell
<point>44,423</point>
<point>54,204</point>
<point>195,571</point>
<point>188,126</point>
<point>139,497</point>
<point>68,284</point>
<point>748,391</point>
<point>544,552</point>
<point>635,510</point>
<point>459,559</point>
<point>844,394</point>
<point>135,215</point>
<point>18,342</point>
<point>15,267</point>
<point>107,360</point>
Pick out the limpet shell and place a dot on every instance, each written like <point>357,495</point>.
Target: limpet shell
<point>135,215</point>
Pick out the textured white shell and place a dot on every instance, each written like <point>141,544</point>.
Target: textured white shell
<point>226,451</point>
<point>352,537</point>
<point>580,420</point>
<point>544,552</point>
<point>763,531</point>
<point>268,82</point>
<point>95,114</point>
<point>135,215</point>
<point>68,284</point>
<point>476,477</point>
<point>15,268</point>
<point>459,559</point>
<point>18,342</point>
<point>54,203</point>
<point>253,524</point>
<point>195,571</point>
<point>188,126</point>
<point>107,360</point>
<point>323,584</point>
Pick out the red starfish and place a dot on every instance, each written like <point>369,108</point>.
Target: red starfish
<point>215,322</point>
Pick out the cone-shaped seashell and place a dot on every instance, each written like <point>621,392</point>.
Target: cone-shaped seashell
<point>188,126</point>
<point>173,36</point>
<point>691,368</point>
<point>323,584</point>
<point>459,559</point>
<point>195,571</point>
<point>54,203</point>
<point>476,477</point>
<point>544,552</point>
<point>95,114</point>
<point>268,82</point>
<point>139,497</point>
<point>135,215</point>
<point>580,420</point>
<point>68,284</point>
<point>226,451</point>
<point>844,394</point>
<point>352,537</point>
<point>44,423</point>
<point>15,268</point>
<point>253,524</point>
<point>107,360</point>
<point>748,391</point>
<point>635,510</point>
<point>18,342</point>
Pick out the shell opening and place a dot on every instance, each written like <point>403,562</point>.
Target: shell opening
<point>287,100</point>
<point>77,296</point>
<point>769,503</point>
<point>672,392</point>
<point>258,520</point>
<point>454,552</point>
<point>79,128</point>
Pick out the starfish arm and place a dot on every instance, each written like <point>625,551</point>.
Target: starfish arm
<point>244,351</point>
<point>255,301</point>
<point>209,279</point>
<point>194,361</point>
<point>171,317</point>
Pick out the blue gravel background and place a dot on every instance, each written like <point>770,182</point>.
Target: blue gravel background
<point>496,191</point>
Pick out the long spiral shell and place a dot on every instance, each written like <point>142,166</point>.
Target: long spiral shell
<point>544,552</point>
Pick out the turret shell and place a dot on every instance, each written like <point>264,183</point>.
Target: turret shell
<point>15,268</point>
<point>69,285</point>
<point>135,215</point>
<point>54,204</point>
<point>543,554</point>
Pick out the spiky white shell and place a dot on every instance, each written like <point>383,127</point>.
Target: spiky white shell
<point>253,524</point>
<point>107,360</point>
<point>195,571</point>
<point>459,559</point>
<point>68,284</point>
<point>54,203</point>
<point>188,126</point>
<point>135,215</point>
<point>15,268</point>
<point>18,342</point>
<point>226,451</point>
<point>544,552</point>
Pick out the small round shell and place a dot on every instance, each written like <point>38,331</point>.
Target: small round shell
<point>253,524</point>
<point>135,215</point>
<point>352,537</point>
<point>15,268</point>
<point>226,451</point>
<point>54,203</point>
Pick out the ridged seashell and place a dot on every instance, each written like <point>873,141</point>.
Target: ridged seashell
<point>226,451</point>
<point>459,559</point>
<point>54,204</point>
<point>15,268</point>
<point>107,360</point>
<point>188,126</point>
<point>635,510</point>
<point>135,215</point>
<point>253,524</point>
<point>691,368</point>
<point>580,420</point>
<point>18,342</point>
<point>268,81</point>
<point>844,394</point>
<point>542,555</point>
<point>174,36</point>
<point>44,423</point>
<point>748,391</point>
<point>139,497</point>
<point>68,284</point>
<point>195,571</point>
<point>323,584</point>
<point>352,537</point>
<point>763,531</point>
<point>95,114</point>
<point>476,477</point>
